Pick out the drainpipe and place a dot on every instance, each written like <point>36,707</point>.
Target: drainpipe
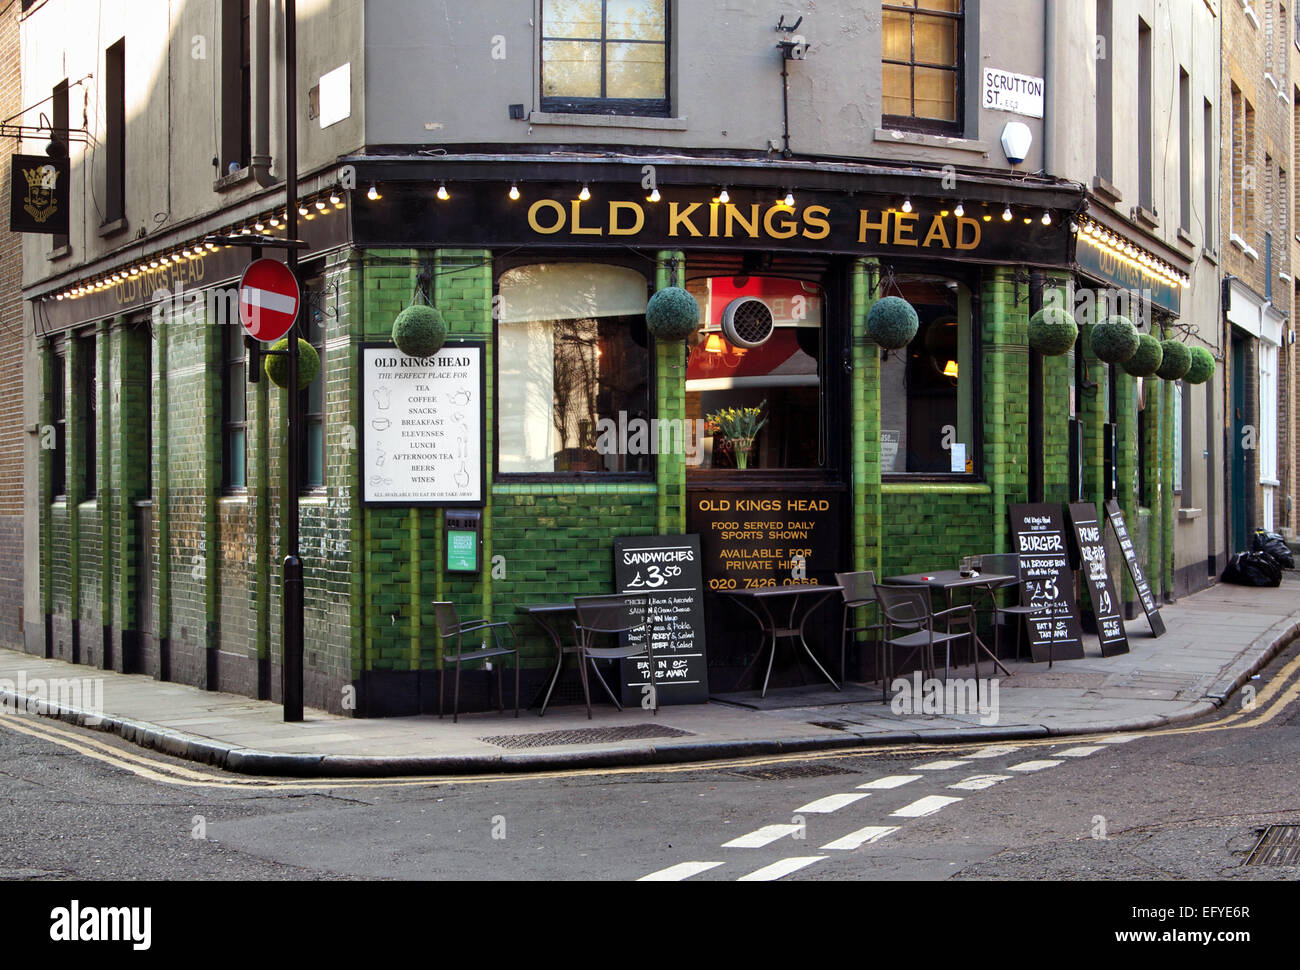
<point>1050,78</point>
<point>262,55</point>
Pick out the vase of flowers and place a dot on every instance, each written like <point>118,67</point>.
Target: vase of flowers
<point>739,427</point>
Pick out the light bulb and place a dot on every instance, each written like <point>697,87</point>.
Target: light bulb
<point>1047,218</point>
<point>907,205</point>
<point>373,195</point>
<point>320,205</point>
<point>789,200</point>
<point>514,192</point>
<point>275,222</point>
<point>585,194</point>
<point>443,194</point>
<point>959,211</point>
<point>334,199</point>
<point>654,195</point>
<point>1006,214</point>
<point>724,196</point>
<point>302,210</point>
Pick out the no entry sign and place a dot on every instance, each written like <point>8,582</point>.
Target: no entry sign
<point>268,299</point>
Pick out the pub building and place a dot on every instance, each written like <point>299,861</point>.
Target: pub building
<point>586,428</point>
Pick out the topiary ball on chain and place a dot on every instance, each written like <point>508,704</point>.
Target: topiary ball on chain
<point>1114,340</point>
<point>1177,361</point>
<point>1202,366</point>
<point>672,314</point>
<point>892,322</point>
<point>1052,331</point>
<point>277,367</point>
<point>1145,361</point>
<point>419,331</point>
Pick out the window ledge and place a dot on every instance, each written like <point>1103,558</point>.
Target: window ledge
<point>606,121</point>
<point>1270,482</point>
<point>112,228</point>
<point>227,182</point>
<point>1105,188</point>
<point>63,252</point>
<point>1243,246</point>
<point>234,498</point>
<point>1251,15</point>
<point>1187,515</point>
<point>1270,79</point>
<point>895,136</point>
<point>935,488</point>
<point>1185,237</point>
<point>1147,217</point>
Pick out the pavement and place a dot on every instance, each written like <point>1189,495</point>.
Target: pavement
<point>1217,640</point>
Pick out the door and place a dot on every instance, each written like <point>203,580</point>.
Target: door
<point>1242,446</point>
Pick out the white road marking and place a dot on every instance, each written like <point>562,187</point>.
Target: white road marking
<point>779,869</point>
<point>1081,752</point>
<point>995,751</point>
<point>683,870</point>
<point>979,782</point>
<point>764,836</point>
<point>941,765</point>
<point>1119,738</point>
<point>872,833</point>
<point>925,806</point>
<point>890,781</point>
<point>831,803</point>
<point>1034,765</point>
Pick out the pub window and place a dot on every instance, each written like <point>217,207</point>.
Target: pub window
<point>115,132</point>
<point>922,64</point>
<point>605,56</point>
<point>312,453</point>
<point>86,391</point>
<point>928,420</point>
<point>573,370</point>
<point>236,86</point>
<point>777,382</point>
<point>234,384</point>
<point>59,121</point>
<point>59,417</point>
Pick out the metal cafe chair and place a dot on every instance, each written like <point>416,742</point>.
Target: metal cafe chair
<point>908,608</point>
<point>450,625</point>
<point>1008,564</point>
<point>600,617</point>
<point>858,591</point>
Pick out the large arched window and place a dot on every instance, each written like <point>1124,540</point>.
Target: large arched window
<point>571,364</point>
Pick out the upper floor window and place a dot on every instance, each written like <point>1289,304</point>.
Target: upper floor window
<point>921,51</point>
<point>236,86</point>
<point>115,133</point>
<point>605,56</point>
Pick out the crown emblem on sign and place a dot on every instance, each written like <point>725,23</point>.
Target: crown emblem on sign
<point>41,177</point>
<point>41,181</point>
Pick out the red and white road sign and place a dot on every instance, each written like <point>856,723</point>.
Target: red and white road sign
<point>268,299</point>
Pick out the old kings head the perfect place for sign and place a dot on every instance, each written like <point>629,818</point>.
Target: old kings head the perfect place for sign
<point>38,199</point>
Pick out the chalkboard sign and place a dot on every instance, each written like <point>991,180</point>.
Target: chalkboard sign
<point>666,569</point>
<point>1096,572</point>
<point>1038,532</point>
<point>1116,516</point>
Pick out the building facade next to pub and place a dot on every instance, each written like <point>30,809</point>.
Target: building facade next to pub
<point>562,162</point>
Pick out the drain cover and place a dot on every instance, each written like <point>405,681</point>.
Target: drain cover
<point>549,739</point>
<point>1278,846</point>
<point>802,769</point>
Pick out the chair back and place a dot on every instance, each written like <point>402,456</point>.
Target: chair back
<point>858,588</point>
<point>448,620</point>
<point>611,614</point>
<point>1007,564</point>
<point>905,605</point>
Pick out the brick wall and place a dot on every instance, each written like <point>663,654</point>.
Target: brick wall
<point>11,361</point>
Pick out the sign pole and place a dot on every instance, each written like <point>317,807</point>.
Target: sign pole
<point>292,602</point>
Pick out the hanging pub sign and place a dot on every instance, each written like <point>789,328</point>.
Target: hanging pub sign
<point>1096,572</point>
<point>1038,534</point>
<point>422,426</point>
<point>38,194</point>
<point>666,569</point>
<point>1116,516</point>
<point>691,217</point>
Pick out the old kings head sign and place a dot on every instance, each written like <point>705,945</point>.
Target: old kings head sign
<point>38,200</point>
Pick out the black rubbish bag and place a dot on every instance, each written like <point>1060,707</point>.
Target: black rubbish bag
<point>1273,546</point>
<point>1252,569</point>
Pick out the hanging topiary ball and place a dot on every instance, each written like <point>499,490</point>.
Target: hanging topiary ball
<point>1177,360</point>
<point>672,314</point>
<point>892,322</point>
<point>1145,361</point>
<point>1052,331</point>
<point>1114,340</point>
<point>277,367</point>
<point>419,331</point>
<point>1201,368</point>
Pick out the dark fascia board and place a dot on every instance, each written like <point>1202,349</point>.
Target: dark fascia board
<point>975,186</point>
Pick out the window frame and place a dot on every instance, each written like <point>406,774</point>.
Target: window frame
<point>313,289</point>
<point>972,279</point>
<point>87,385</point>
<point>115,133</point>
<point>911,122</point>
<point>502,265</point>
<point>59,421</point>
<point>229,361</point>
<point>643,107</point>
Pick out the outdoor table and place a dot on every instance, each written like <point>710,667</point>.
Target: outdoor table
<point>949,580</point>
<point>759,603</point>
<point>547,616</point>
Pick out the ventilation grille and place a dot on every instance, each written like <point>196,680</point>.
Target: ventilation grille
<point>748,322</point>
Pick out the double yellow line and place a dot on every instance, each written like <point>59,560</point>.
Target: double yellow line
<point>1271,699</point>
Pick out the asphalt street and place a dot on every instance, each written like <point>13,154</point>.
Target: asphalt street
<point>1185,802</point>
